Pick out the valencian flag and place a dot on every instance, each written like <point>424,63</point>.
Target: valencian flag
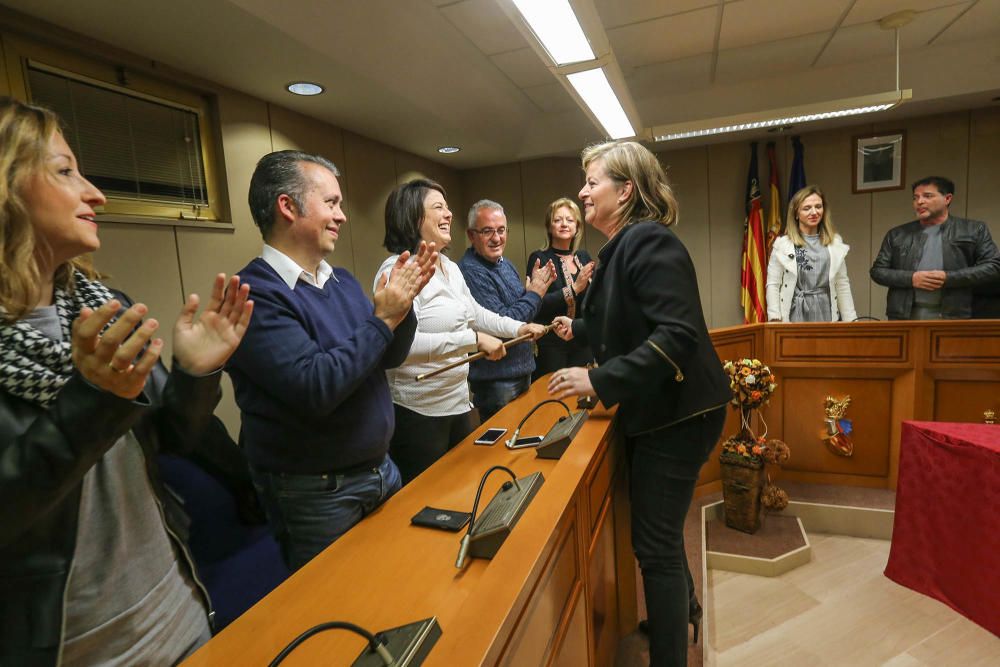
<point>797,179</point>
<point>752,274</point>
<point>774,210</point>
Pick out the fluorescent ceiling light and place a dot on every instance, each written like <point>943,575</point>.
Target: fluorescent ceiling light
<point>448,150</point>
<point>557,28</point>
<point>853,106</point>
<point>594,89</point>
<point>304,88</point>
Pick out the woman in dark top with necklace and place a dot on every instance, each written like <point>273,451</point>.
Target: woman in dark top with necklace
<point>563,227</point>
<point>642,319</point>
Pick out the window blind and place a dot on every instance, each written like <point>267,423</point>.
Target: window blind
<point>130,147</point>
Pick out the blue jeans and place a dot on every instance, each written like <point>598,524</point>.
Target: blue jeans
<point>664,471</point>
<point>308,513</point>
<point>491,395</point>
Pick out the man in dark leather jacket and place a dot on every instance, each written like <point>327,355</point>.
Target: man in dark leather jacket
<point>932,264</point>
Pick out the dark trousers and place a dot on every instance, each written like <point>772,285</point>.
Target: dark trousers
<point>556,354</point>
<point>664,471</point>
<point>490,395</point>
<point>307,513</point>
<point>419,440</point>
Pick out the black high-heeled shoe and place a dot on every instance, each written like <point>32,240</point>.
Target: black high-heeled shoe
<point>695,614</point>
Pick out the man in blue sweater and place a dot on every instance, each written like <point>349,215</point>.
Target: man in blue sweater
<point>316,411</point>
<point>496,285</point>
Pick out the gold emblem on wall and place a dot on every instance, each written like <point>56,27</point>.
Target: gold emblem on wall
<point>837,435</point>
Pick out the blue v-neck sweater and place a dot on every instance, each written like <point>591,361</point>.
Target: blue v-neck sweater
<point>309,377</point>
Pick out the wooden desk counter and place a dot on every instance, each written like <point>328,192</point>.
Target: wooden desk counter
<point>558,591</point>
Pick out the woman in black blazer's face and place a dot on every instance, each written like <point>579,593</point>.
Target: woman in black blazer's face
<point>602,197</point>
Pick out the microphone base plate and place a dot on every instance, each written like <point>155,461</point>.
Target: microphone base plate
<point>408,644</point>
<point>557,440</point>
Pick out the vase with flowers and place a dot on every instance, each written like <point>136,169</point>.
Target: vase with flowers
<point>746,485</point>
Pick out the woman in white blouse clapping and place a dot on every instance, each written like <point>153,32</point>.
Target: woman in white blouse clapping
<point>434,415</point>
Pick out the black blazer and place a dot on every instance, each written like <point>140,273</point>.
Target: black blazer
<point>643,320</point>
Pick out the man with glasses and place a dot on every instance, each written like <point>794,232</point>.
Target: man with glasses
<point>496,284</point>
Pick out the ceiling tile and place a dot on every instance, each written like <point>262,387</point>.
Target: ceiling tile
<point>616,13</point>
<point>982,20</point>
<point>486,25</point>
<point>756,21</point>
<point>524,67</point>
<point>760,61</point>
<point>865,11</point>
<point>676,76</point>
<point>669,38</point>
<point>551,97</point>
<point>867,40</point>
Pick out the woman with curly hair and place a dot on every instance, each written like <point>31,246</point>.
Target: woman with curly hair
<point>93,565</point>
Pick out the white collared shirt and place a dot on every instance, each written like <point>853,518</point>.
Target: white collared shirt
<point>291,272</point>
<point>448,318</point>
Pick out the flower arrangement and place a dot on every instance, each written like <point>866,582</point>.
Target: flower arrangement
<point>750,381</point>
<point>752,384</point>
<point>744,455</point>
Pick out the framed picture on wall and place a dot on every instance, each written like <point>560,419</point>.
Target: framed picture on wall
<point>878,162</point>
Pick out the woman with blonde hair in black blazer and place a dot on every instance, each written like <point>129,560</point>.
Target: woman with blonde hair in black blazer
<point>643,321</point>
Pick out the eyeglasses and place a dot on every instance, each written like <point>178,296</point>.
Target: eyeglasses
<point>490,231</point>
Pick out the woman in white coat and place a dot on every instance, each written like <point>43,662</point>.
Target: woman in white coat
<point>807,273</point>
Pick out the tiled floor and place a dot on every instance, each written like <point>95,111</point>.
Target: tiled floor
<point>838,610</point>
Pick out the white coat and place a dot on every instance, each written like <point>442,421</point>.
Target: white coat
<point>783,272</point>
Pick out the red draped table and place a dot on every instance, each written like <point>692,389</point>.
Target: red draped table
<point>946,532</point>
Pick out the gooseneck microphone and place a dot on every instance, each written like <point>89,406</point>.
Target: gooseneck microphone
<point>559,436</point>
<point>463,546</point>
<point>517,431</point>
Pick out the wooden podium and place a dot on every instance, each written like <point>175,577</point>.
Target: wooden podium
<point>942,370</point>
<point>561,590</point>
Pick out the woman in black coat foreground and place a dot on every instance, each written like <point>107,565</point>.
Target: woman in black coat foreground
<point>643,321</point>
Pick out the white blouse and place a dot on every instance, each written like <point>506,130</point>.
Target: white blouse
<point>447,320</point>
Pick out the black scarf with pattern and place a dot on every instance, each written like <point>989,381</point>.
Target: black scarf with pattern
<point>32,365</point>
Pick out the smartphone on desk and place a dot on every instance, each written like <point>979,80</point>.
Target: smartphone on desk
<point>490,437</point>
<point>526,441</point>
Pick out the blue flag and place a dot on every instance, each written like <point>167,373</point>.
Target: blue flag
<point>797,179</point>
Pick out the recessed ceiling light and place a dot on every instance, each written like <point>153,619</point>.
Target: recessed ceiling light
<point>448,150</point>
<point>304,88</point>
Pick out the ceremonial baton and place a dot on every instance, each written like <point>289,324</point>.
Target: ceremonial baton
<point>478,355</point>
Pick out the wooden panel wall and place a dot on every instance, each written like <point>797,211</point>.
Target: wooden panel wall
<point>710,182</point>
